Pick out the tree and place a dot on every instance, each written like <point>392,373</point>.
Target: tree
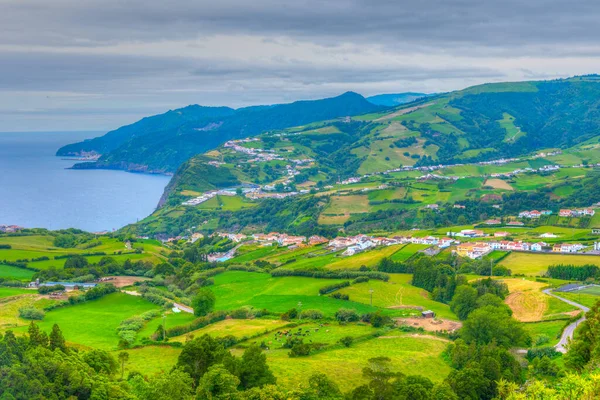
<point>464,301</point>
<point>76,261</point>
<point>174,385</point>
<point>469,383</point>
<point>36,336</point>
<point>412,387</point>
<point>123,358</point>
<point>204,302</point>
<point>379,374</point>
<point>488,324</point>
<point>321,387</point>
<point>217,383</point>
<point>253,370</point>
<point>199,355</point>
<point>101,361</point>
<point>57,341</point>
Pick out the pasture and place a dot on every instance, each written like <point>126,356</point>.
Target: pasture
<point>537,264</point>
<point>235,289</point>
<point>347,205</point>
<point>19,274</point>
<point>37,246</point>
<point>10,291</point>
<point>397,294</point>
<point>235,327</point>
<point>409,354</point>
<point>94,323</point>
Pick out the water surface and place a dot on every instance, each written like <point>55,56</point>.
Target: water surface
<point>36,189</point>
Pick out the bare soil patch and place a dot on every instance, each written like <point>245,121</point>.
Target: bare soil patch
<point>121,281</point>
<point>430,324</point>
<point>498,184</point>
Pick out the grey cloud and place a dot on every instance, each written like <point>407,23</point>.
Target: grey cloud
<point>51,52</point>
<point>435,23</point>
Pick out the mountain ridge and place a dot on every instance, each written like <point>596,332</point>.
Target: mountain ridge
<point>162,142</point>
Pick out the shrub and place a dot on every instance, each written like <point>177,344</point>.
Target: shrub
<point>331,274</point>
<point>361,279</point>
<point>300,350</point>
<point>311,314</point>
<point>340,296</point>
<point>347,341</point>
<point>242,313</point>
<point>334,287</point>
<point>289,315</point>
<point>31,313</point>
<point>346,315</point>
<point>540,352</point>
<point>50,289</point>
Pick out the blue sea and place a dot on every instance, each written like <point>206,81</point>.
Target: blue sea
<point>38,191</point>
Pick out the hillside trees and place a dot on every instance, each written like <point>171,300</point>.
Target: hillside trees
<point>204,302</point>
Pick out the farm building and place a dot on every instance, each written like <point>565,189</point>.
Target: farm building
<point>428,314</point>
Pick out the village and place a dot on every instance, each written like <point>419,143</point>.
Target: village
<point>351,245</point>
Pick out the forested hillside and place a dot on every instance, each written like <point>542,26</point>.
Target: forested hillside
<point>161,143</point>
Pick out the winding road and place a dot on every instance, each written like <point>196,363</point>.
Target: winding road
<point>570,329</point>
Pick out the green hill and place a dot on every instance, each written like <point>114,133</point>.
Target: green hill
<point>162,142</point>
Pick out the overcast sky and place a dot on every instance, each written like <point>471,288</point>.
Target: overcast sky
<point>99,64</point>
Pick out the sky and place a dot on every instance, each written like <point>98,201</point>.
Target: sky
<point>100,64</point>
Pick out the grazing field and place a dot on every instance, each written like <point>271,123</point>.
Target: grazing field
<point>94,323</point>
<point>150,360</point>
<point>552,329</point>
<point>344,206</point>
<point>20,274</point>
<point>236,327</point>
<point>537,264</point>
<point>397,294</point>
<point>407,252</point>
<point>409,354</point>
<point>235,289</point>
<point>594,290</point>
<point>588,300</point>
<point>170,320</point>
<point>367,258</point>
<point>8,291</point>
<point>10,302</point>
<point>36,246</point>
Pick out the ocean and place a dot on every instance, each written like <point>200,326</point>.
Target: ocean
<point>38,191</point>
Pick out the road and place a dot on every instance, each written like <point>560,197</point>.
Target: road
<point>570,329</point>
<point>181,307</point>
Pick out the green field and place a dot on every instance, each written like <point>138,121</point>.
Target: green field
<point>398,293</point>
<point>409,355</point>
<point>20,274</point>
<point>235,289</point>
<point>9,291</point>
<point>587,299</point>
<point>94,323</point>
<point>552,329</point>
<point>537,264</point>
<point>239,328</point>
<point>36,246</point>
<point>407,252</point>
